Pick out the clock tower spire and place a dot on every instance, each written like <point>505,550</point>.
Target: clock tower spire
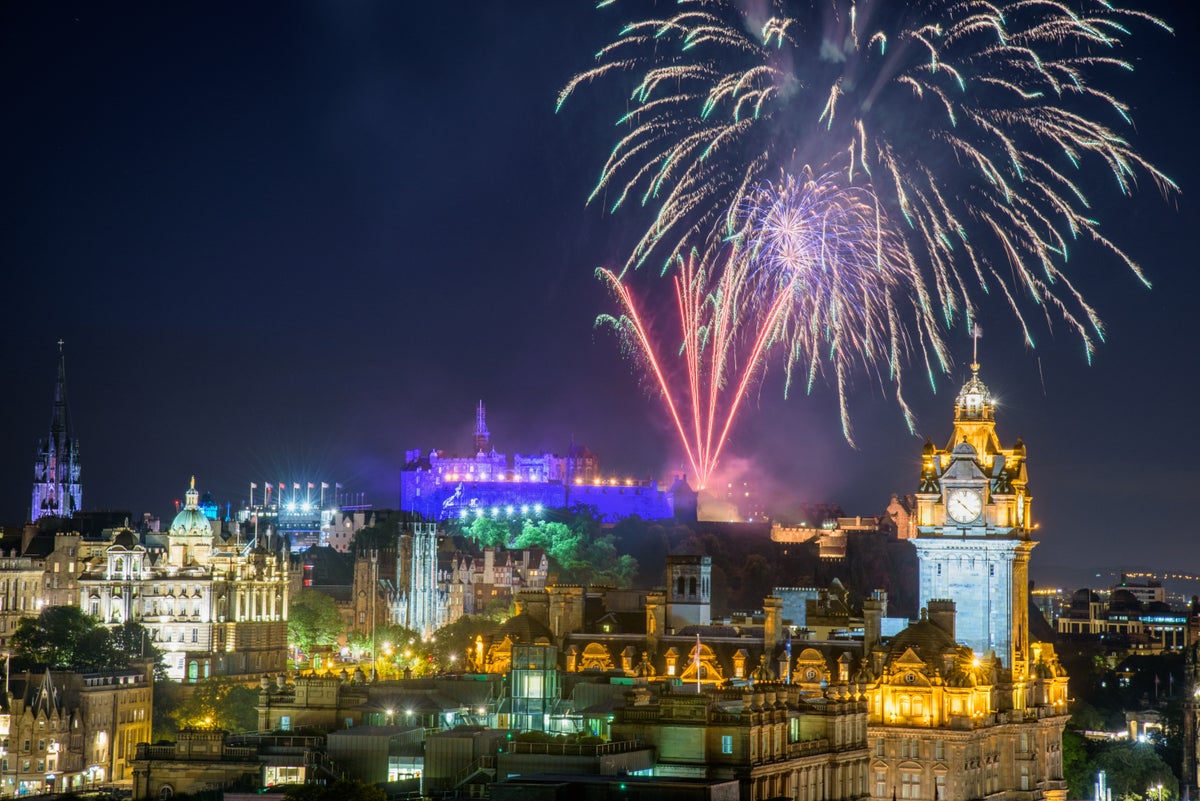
<point>974,532</point>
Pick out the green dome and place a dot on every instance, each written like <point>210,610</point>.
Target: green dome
<point>191,522</point>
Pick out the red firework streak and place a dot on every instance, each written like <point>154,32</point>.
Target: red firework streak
<point>712,327</point>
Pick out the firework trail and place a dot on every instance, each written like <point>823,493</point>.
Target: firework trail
<point>815,268</point>
<point>973,120</point>
<point>975,123</point>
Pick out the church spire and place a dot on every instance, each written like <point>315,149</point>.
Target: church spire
<point>56,488</point>
<point>482,437</point>
<point>60,420</point>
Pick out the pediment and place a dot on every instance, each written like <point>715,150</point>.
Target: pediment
<point>908,660</point>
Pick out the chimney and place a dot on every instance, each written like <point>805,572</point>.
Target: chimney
<point>772,622</point>
<point>941,614</point>
<point>874,610</point>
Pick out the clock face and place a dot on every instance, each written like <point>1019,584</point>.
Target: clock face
<point>964,505</point>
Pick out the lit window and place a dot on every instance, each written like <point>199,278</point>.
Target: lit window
<point>727,744</point>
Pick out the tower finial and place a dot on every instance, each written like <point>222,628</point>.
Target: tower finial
<point>976,333</point>
<point>482,436</point>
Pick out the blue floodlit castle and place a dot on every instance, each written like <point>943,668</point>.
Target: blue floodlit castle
<point>443,487</point>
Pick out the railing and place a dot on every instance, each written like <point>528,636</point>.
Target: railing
<point>575,749</point>
<point>483,763</point>
<point>145,751</point>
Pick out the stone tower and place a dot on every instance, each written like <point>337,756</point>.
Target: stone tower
<point>423,599</point>
<point>689,591</point>
<point>974,530</point>
<point>56,488</point>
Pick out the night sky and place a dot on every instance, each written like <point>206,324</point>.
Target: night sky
<point>288,241</point>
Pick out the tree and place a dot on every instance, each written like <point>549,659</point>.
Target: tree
<point>65,637</point>
<point>132,640</point>
<point>314,622</point>
<point>491,533</point>
<point>1132,768</point>
<point>339,791</point>
<point>453,645</point>
<point>218,704</point>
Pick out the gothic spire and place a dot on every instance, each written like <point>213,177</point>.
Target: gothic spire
<point>56,488</point>
<point>482,437</point>
<point>60,420</point>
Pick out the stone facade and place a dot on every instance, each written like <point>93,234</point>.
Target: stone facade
<point>70,731</point>
<point>777,741</point>
<point>214,607</point>
<point>962,704</point>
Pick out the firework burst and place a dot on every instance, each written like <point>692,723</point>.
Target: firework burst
<point>974,121</point>
<point>812,268</point>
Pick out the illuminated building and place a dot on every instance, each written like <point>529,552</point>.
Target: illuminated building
<point>20,592</point>
<point>442,487</point>
<point>69,731</point>
<point>215,607</point>
<point>962,705</point>
<point>56,488</point>
<point>777,741</point>
<point>201,759</point>
<point>1122,623</point>
<point>307,516</point>
<point>422,605</point>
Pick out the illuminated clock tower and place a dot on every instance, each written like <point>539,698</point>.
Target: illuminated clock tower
<point>973,533</point>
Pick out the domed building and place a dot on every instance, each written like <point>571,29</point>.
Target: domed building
<point>961,704</point>
<point>215,607</point>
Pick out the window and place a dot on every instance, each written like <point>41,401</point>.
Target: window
<point>879,747</point>
<point>910,785</point>
<point>939,749</point>
<point>726,743</point>
<point>880,784</point>
<point>285,722</point>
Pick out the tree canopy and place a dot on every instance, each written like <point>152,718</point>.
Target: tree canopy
<point>314,622</point>
<point>68,637</point>
<point>218,704</point>
<point>339,791</point>
<point>580,552</point>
